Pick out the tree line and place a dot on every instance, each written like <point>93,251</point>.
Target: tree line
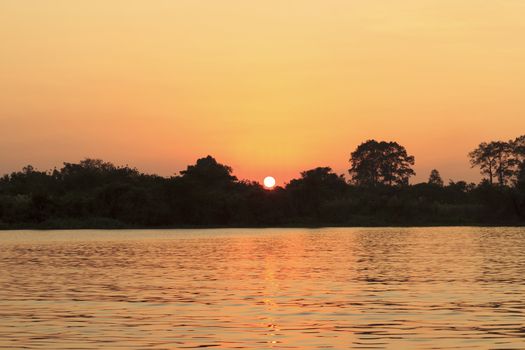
<point>97,194</point>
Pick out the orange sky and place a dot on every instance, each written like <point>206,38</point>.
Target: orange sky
<point>269,87</point>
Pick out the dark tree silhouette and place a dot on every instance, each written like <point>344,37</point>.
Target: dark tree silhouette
<point>496,160</point>
<point>435,178</point>
<point>205,189</point>
<point>207,171</point>
<point>521,174</point>
<point>97,194</point>
<point>518,146</point>
<point>381,163</point>
<point>320,177</point>
<point>315,187</point>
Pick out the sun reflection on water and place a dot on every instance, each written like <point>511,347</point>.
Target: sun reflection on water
<point>279,288</point>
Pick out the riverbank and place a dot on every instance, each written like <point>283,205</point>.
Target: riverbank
<point>112,224</point>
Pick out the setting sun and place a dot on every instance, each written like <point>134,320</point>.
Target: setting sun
<point>269,182</point>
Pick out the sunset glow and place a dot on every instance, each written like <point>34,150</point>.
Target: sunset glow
<point>284,174</point>
<point>158,85</point>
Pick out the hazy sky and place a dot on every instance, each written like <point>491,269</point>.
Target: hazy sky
<point>268,87</point>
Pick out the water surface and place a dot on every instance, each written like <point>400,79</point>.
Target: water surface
<point>380,288</point>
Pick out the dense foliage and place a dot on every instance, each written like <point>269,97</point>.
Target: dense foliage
<point>94,193</point>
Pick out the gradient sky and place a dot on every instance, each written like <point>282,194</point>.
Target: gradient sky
<point>269,87</point>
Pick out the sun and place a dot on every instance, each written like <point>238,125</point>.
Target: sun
<point>269,182</point>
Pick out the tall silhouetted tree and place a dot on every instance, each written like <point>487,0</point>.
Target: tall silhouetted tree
<point>435,178</point>
<point>496,160</point>
<point>381,163</point>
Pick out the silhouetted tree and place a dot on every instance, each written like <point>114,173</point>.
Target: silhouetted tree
<point>381,163</point>
<point>519,195</point>
<point>320,178</point>
<point>461,186</point>
<point>519,147</point>
<point>90,173</point>
<point>521,175</point>
<point>95,193</point>
<point>435,178</point>
<point>207,171</point>
<point>28,181</point>
<point>205,189</point>
<point>313,188</point>
<point>496,160</point>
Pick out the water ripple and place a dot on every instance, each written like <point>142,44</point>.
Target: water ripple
<point>383,288</point>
